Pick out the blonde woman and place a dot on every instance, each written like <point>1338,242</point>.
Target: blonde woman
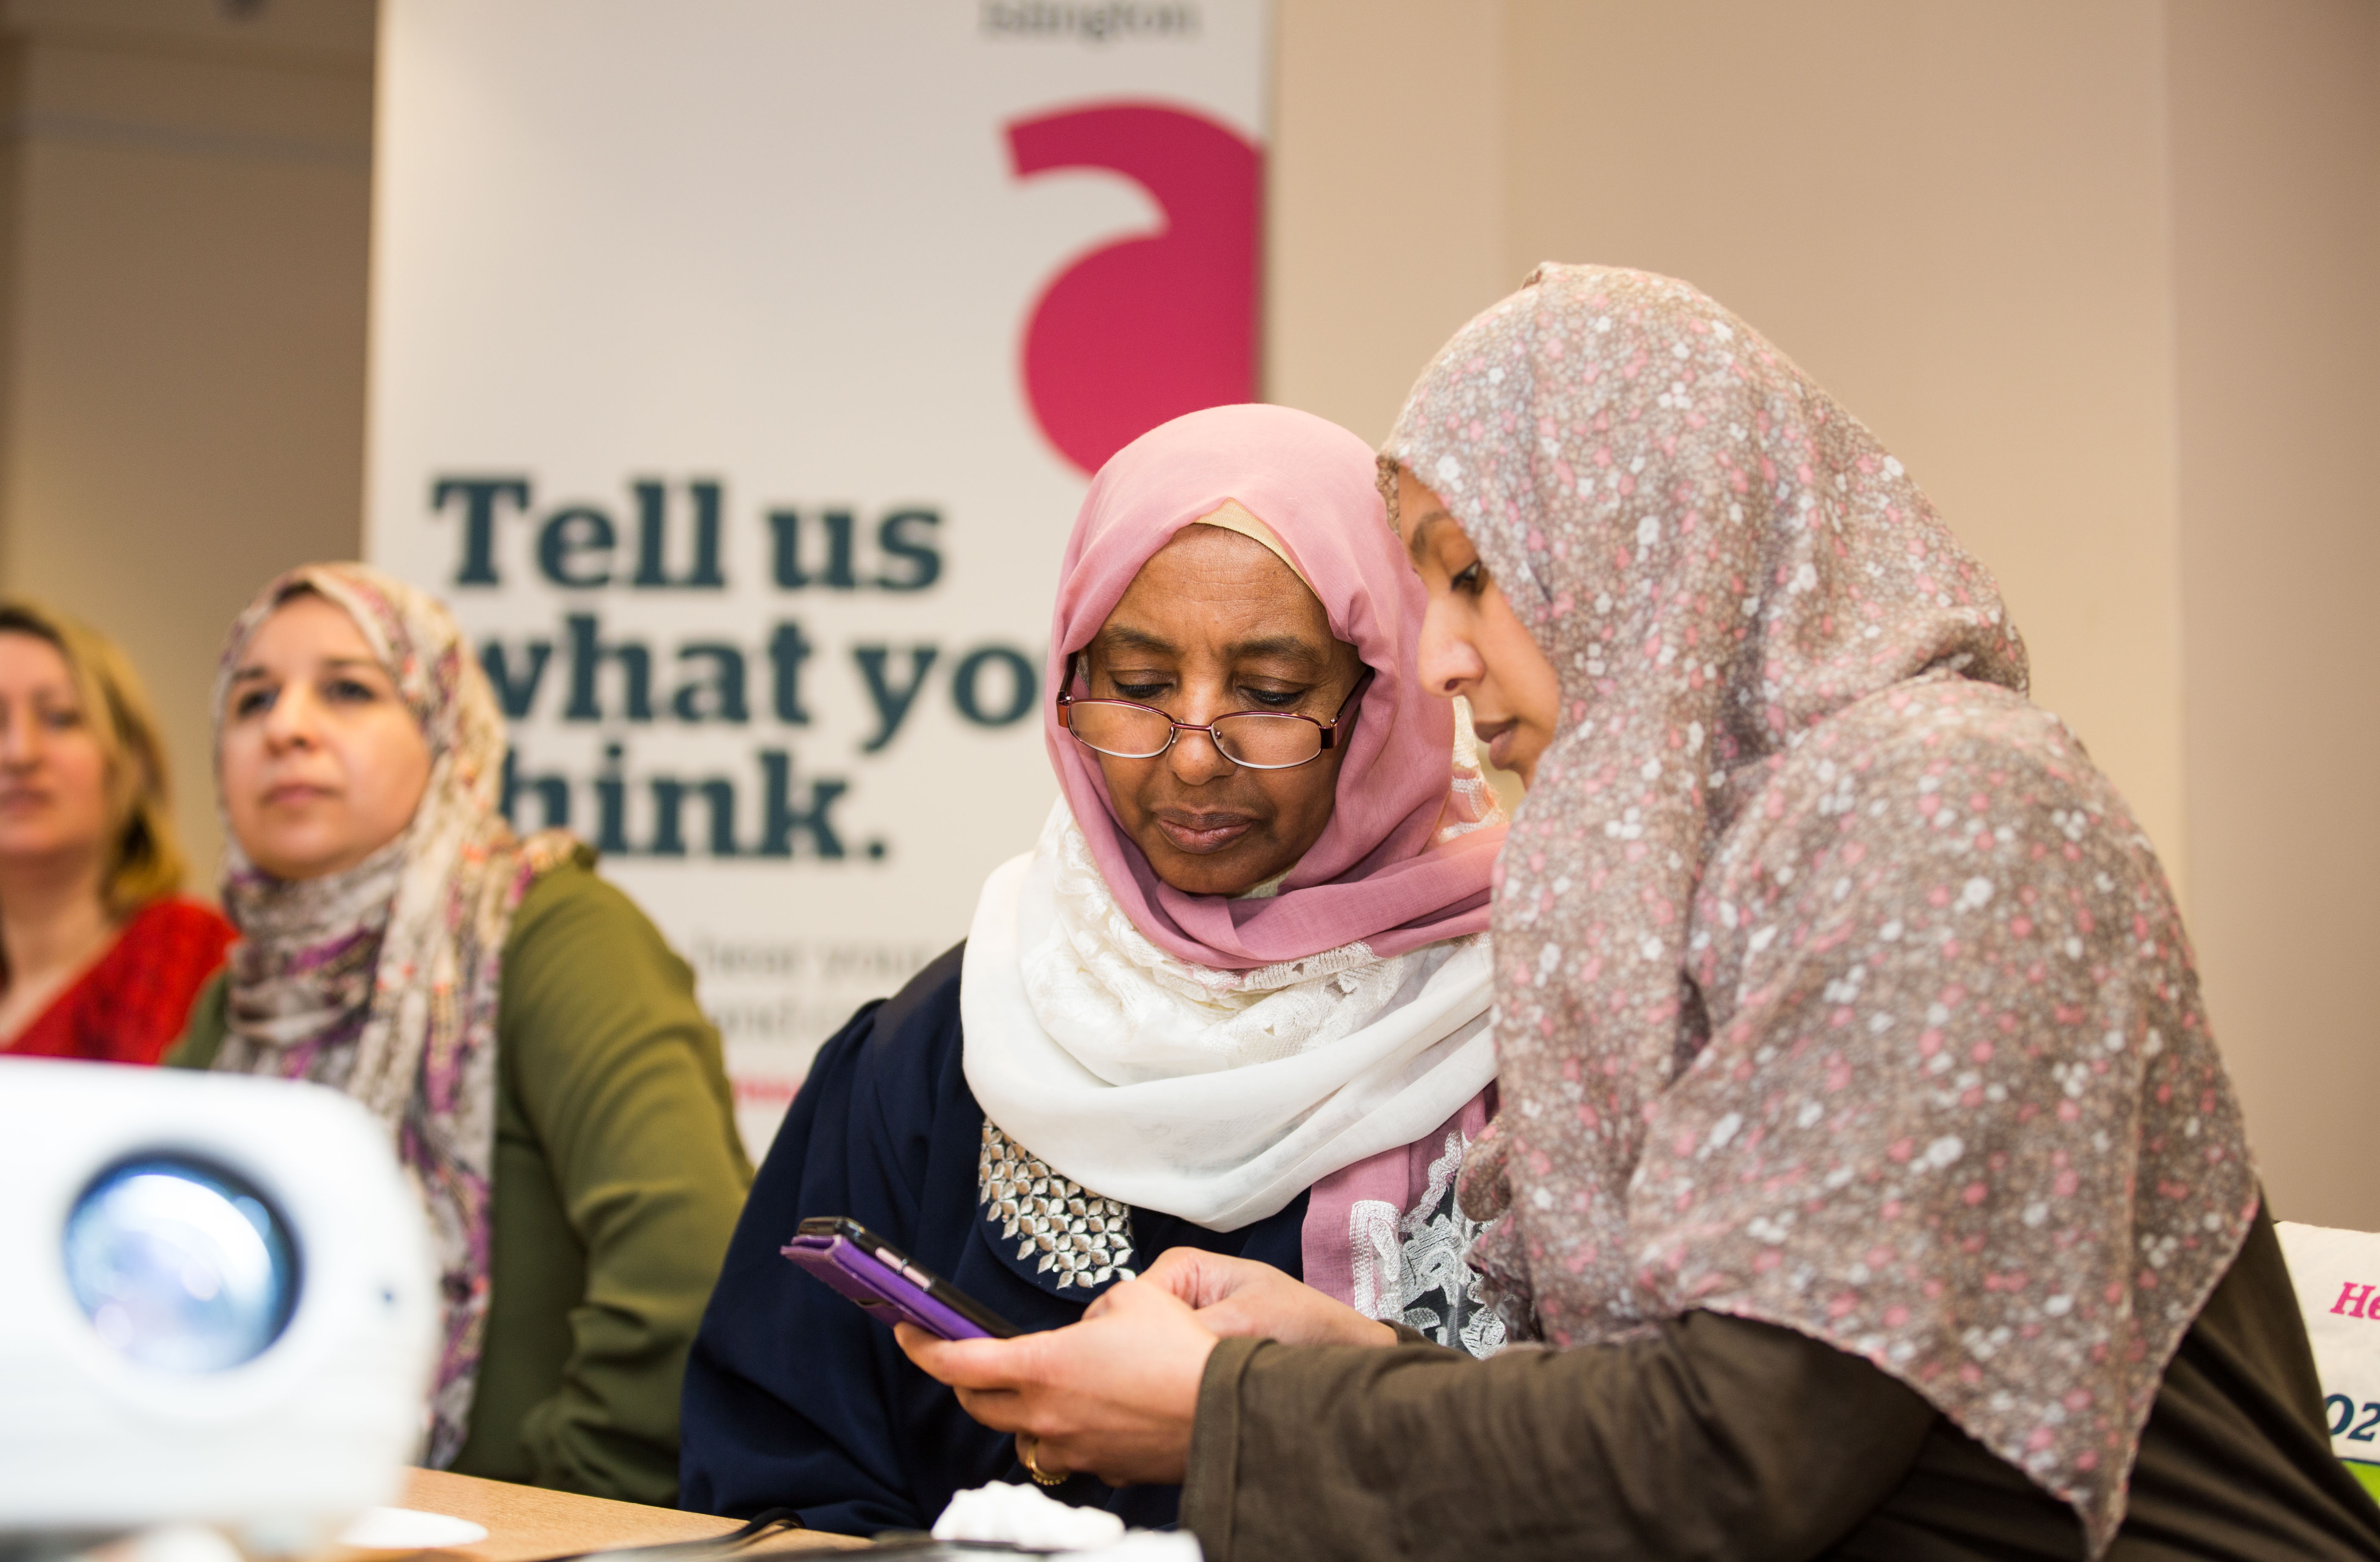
<point>100,956</point>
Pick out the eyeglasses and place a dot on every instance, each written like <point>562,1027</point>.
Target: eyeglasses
<point>1255,740</point>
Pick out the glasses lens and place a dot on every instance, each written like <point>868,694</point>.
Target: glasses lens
<point>1128,731</point>
<point>1268,742</point>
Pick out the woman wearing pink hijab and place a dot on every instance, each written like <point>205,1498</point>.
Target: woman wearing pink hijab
<point>1234,1001</point>
<point>1867,1167</point>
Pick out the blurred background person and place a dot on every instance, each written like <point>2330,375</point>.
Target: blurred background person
<point>100,955</point>
<point>531,1041</point>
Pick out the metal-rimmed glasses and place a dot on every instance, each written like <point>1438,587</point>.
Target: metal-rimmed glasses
<point>1254,740</point>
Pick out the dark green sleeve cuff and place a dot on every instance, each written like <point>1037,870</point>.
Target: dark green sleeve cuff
<point>1209,1486</point>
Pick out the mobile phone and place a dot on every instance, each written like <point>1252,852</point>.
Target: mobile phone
<point>878,1276</point>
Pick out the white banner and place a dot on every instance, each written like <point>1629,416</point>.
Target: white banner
<point>737,366</point>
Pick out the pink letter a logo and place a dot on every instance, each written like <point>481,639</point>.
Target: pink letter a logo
<point>1145,329</point>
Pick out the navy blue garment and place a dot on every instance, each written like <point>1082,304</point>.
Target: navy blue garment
<point>796,1399</point>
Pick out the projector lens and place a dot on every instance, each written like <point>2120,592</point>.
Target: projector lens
<point>181,1266</point>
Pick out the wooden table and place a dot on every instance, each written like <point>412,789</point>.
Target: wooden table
<point>528,1522</point>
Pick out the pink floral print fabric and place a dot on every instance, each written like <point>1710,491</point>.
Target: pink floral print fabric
<point>382,981</point>
<point>1837,988</point>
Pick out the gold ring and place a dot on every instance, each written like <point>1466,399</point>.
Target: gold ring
<point>1025,1445</point>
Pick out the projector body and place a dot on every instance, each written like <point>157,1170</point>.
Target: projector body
<point>280,1449</point>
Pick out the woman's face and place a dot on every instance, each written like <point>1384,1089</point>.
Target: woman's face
<point>1472,644</point>
<point>1215,623</point>
<point>321,763</point>
<point>53,771</point>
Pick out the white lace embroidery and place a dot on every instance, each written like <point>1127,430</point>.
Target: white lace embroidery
<point>1412,1269</point>
<point>1379,1270</point>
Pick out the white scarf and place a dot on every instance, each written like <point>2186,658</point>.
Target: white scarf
<point>1214,1095</point>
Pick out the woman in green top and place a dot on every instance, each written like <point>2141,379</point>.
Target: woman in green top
<point>532,1042</point>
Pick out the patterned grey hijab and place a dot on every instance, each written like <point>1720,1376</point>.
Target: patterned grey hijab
<point>1837,988</point>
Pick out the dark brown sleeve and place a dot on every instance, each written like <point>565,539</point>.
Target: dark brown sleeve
<point>1714,1438</point>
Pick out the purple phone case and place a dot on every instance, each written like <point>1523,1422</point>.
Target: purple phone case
<point>876,1286</point>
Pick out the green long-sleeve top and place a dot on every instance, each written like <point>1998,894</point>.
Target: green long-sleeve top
<point>1727,1440</point>
<point>618,1179</point>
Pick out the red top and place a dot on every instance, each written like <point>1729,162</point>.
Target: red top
<point>134,1000</point>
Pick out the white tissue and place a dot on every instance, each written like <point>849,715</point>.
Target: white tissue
<point>1026,1515</point>
<point>1022,1516</point>
<point>1148,1546</point>
<point>409,1528</point>
<point>183,1542</point>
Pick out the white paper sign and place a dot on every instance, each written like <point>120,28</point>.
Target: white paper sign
<point>737,367</point>
<point>2337,1277</point>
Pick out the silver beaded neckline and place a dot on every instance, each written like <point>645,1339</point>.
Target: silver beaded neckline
<point>1086,1238</point>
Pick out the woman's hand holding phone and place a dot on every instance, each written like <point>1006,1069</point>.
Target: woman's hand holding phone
<point>1113,1395</point>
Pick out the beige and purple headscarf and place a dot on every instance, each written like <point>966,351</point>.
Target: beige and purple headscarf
<point>382,981</point>
<point>1837,988</point>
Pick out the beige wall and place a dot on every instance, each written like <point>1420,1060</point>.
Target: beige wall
<point>182,321</point>
<point>1380,106</point>
<point>1953,215</point>
<point>2276,199</point>
<point>2100,271</point>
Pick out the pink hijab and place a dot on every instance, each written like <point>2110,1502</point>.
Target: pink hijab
<point>1374,876</point>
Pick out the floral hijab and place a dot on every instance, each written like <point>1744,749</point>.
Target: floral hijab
<point>1837,988</point>
<point>382,981</point>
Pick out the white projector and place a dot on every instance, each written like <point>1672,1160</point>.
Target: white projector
<point>216,1307</point>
